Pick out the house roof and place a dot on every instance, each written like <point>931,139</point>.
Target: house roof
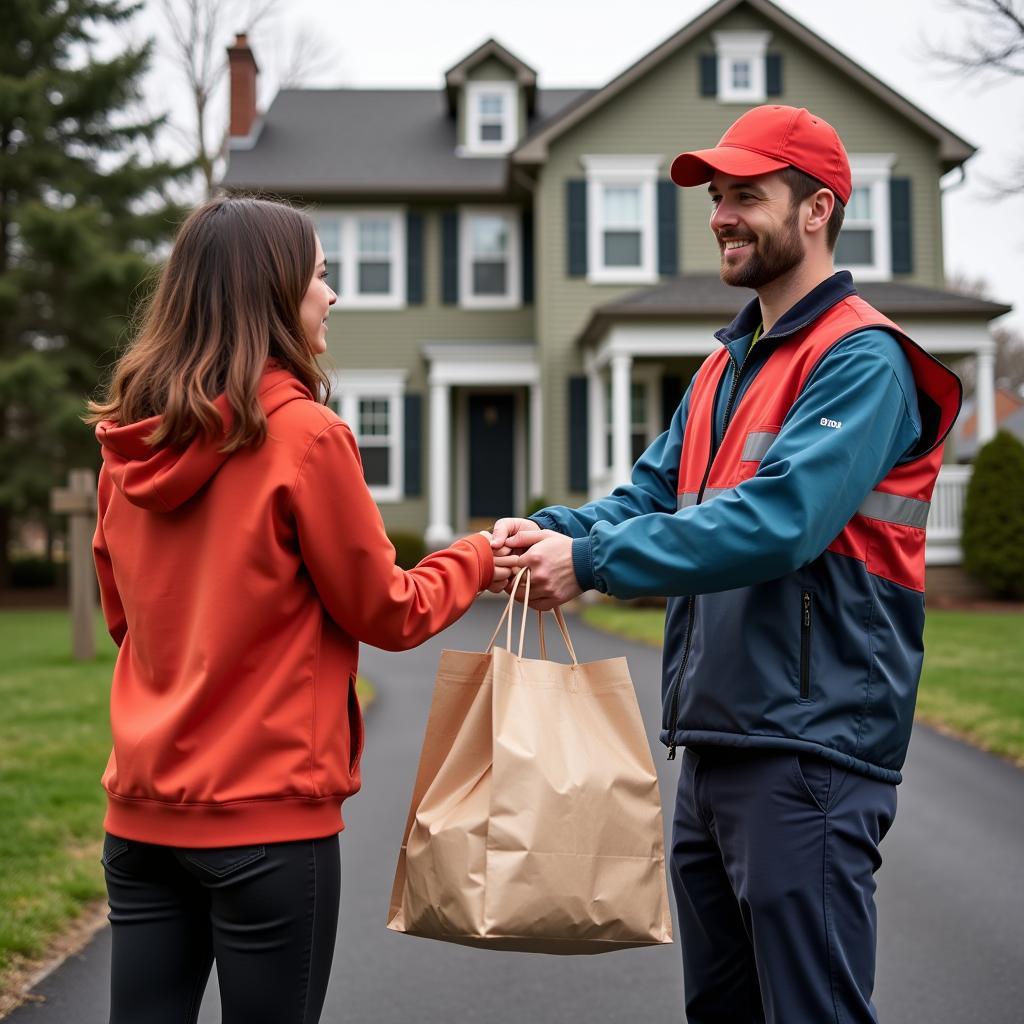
<point>704,295</point>
<point>1009,410</point>
<point>953,150</point>
<point>375,141</point>
<point>525,76</point>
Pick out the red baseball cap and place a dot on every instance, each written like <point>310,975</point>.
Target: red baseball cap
<point>768,139</point>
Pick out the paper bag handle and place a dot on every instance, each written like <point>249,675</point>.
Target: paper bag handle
<point>508,614</point>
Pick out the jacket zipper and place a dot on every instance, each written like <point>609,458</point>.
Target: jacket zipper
<point>805,647</point>
<point>715,445</point>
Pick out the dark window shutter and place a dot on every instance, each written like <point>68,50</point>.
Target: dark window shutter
<point>413,437</point>
<point>902,228</point>
<point>708,74</point>
<point>449,258</point>
<point>526,242</point>
<point>578,444</point>
<point>671,396</point>
<point>414,258</point>
<point>773,74</point>
<point>576,226</point>
<point>668,234</point>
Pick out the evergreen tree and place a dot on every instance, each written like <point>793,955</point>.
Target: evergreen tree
<point>82,211</point>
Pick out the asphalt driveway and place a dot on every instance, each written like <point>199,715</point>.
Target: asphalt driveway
<point>951,892</point>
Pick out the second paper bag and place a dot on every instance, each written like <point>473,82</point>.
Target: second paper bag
<point>535,822</point>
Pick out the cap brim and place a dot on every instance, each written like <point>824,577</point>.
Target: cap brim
<point>700,166</point>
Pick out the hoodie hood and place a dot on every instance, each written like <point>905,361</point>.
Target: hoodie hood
<point>161,479</point>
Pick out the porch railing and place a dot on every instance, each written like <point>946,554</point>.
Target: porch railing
<point>945,520</point>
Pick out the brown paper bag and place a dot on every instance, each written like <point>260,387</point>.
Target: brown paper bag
<point>535,822</point>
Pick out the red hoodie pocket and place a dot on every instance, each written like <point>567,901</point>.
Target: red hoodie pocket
<point>355,727</point>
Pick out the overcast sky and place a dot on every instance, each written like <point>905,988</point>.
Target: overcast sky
<point>586,43</point>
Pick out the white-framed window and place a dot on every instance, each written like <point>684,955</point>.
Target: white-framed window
<point>492,117</point>
<point>365,253</point>
<point>864,244</point>
<point>621,229</point>
<point>489,258</point>
<point>371,402</point>
<point>644,422</point>
<point>741,66</point>
<point>329,231</point>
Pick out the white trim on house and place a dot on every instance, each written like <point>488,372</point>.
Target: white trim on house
<point>871,173</point>
<point>741,66</point>
<point>476,120</point>
<point>475,365</point>
<point>352,386</point>
<point>347,252</point>
<point>513,296</point>
<point>610,171</point>
<point>519,455</point>
<point>647,375</point>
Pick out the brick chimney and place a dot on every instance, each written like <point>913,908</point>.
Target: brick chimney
<point>242,71</point>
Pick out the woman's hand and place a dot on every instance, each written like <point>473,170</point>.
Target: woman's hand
<point>505,564</point>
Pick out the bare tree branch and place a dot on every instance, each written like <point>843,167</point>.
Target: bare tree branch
<point>310,58</point>
<point>198,34</point>
<point>991,46</point>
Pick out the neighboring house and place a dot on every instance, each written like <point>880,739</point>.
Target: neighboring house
<point>523,294</point>
<point>1009,416</point>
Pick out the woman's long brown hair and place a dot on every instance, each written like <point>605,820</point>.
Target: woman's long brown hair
<point>227,300</point>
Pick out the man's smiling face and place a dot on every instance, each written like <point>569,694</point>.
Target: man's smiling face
<point>757,227</point>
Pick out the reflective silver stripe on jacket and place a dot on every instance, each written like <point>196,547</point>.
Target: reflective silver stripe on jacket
<point>756,446</point>
<point>894,508</point>
<point>880,505</point>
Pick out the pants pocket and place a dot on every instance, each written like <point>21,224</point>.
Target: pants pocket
<point>224,861</point>
<point>113,847</point>
<point>815,776</point>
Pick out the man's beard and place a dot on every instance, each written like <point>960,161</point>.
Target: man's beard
<point>774,254</point>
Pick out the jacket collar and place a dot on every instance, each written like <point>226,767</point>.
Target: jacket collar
<point>832,290</point>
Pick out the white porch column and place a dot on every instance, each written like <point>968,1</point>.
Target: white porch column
<point>985,393</point>
<point>597,428</point>
<point>536,442</point>
<point>439,531</point>
<point>622,366</point>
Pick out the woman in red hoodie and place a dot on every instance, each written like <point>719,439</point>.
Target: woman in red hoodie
<point>241,561</point>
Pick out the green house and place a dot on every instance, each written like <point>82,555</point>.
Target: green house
<point>523,294</point>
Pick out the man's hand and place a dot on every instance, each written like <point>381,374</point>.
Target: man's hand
<point>548,556</point>
<point>505,528</point>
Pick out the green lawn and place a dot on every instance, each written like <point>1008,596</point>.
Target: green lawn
<point>973,680</point>
<point>54,742</point>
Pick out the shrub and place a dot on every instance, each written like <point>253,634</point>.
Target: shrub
<point>993,530</point>
<point>535,504</point>
<point>33,572</point>
<point>409,548</point>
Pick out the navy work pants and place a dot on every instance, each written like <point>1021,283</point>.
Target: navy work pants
<point>267,914</point>
<point>773,862</point>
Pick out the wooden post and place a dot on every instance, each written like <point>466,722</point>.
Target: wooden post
<point>78,500</point>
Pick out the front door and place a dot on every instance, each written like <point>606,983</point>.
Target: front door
<point>492,451</point>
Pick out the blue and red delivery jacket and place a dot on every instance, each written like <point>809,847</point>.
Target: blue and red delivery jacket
<point>783,513</point>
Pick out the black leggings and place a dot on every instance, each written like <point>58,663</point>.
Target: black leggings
<point>267,914</point>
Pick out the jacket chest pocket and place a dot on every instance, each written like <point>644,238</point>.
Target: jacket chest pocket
<point>806,628</point>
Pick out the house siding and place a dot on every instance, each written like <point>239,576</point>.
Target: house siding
<point>663,113</point>
<point>388,339</point>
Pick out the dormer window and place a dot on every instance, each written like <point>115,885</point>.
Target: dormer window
<point>741,66</point>
<point>491,117</point>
